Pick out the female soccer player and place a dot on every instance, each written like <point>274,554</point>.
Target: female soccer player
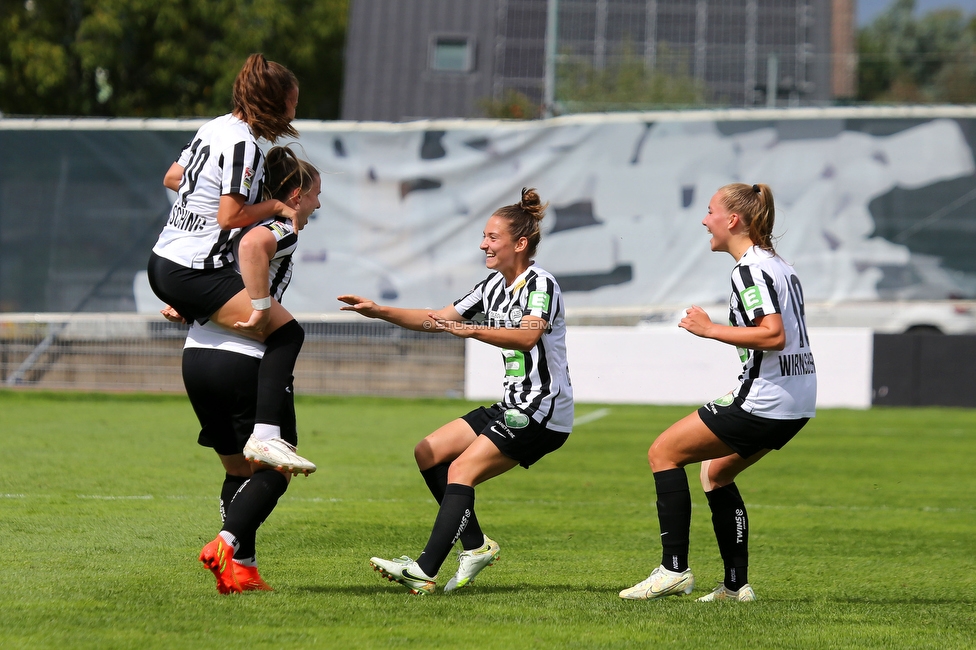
<point>524,316</point>
<point>218,179</point>
<point>776,396</point>
<point>220,372</point>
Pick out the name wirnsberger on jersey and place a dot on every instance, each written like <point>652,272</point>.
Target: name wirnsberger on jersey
<point>797,364</point>
<point>183,219</point>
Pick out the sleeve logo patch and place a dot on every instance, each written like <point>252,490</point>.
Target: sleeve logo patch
<point>538,300</point>
<point>248,177</point>
<point>751,298</point>
<point>278,229</point>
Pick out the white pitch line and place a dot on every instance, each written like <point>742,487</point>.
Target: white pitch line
<point>543,502</point>
<point>590,417</point>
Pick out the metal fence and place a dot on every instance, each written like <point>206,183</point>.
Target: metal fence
<point>136,352</point>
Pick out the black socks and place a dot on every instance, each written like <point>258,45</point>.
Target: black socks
<point>731,525</point>
<point>436,479</point>
<point>674,516</point>
<point>253,503</point>
<point>457,509</point>
<point>227,491</point>
<point>275,372</point>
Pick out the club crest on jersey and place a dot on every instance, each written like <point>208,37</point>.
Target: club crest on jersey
<point>515,315</point>
<point>248,177</point>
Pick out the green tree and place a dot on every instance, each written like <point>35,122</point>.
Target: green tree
<point>627,83</point>
<point>147,58</point>
<point>907,59</point>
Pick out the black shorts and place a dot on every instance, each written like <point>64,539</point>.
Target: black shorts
<point>746,433</point>
<point>514,433</point>
<point>223,389</point>
<point>194,293</point>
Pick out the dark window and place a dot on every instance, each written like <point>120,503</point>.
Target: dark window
<point>452,54</point>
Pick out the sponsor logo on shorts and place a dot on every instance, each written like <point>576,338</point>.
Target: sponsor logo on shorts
<point>724,400</point>
<point>507,432</point>
<point>516,419</point>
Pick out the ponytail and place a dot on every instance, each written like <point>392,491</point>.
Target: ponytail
<point>754,205</point>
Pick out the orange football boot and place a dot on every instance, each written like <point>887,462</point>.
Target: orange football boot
<point>218,556</point>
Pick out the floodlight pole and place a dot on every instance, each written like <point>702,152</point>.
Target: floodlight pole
<point>549,91</point>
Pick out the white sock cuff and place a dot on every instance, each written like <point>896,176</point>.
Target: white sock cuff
<point>266,431</point>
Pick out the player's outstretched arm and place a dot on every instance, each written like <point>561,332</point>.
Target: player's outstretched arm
<point>419,320</point>
<point>523,338</point>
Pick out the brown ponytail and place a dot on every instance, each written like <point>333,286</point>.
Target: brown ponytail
<point>260,93</point>
<point>285,172</point>
<point>525,218</point>
<point>754,205</point>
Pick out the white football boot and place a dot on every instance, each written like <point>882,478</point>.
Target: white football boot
<point>661,583</point>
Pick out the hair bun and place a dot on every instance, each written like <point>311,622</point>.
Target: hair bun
<point>755,188</point>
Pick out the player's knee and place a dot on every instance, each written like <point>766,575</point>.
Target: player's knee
<point>662,456</point>
<point>658,457</point>
<point>424,455</point>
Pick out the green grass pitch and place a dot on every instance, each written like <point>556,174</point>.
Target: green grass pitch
<point>862,535</point>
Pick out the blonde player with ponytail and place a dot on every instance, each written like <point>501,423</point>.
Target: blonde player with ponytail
<point>776,396</point>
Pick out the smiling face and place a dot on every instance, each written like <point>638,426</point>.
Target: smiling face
<point>306,204</point>
<point>502,252</point>
<point>718,223</point>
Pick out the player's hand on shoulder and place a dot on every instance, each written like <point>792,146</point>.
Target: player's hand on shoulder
<point>292,215</point>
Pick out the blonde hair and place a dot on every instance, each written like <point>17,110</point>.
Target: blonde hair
<point>260,97</point>
<point>754,205</point>
<point>525,218</point>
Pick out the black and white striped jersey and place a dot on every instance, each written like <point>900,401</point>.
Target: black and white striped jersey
<point>223,158</point>
<point>537,382</point>
<point>214,337</point>
<point>281,265</point>
<point>780,385</point>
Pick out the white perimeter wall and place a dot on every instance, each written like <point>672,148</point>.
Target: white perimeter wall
<point>666,365</point>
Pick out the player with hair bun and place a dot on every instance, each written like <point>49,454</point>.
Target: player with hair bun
<point>523,314</point>
<point>776,397</point>
<point>218,179</point>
